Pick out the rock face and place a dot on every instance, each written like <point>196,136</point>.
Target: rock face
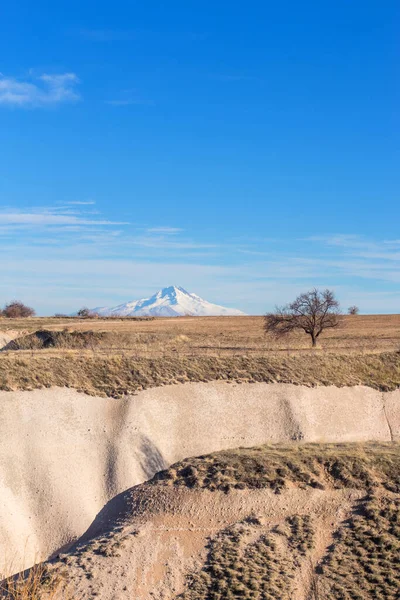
<point>169,302</point>
<point>64,455</point>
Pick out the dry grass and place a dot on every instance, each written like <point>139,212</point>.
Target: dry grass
<point>45,338</point>
<point>364,561</point>
<point>36,584</point>
<point>245,561</point>
<point>117,375</point>
<point>117,357</point>
<point>221,336</point>
<point>318,466</point>
<point>264,568</point>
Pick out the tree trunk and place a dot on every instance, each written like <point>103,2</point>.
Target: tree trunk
<point>314,340</point>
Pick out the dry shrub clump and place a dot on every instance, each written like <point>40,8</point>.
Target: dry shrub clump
<point>254,560</point>
<point>16,310</point>
<point>315,466</point>
<point>36,584</point>
<point>364,561</point>
<point>244,563</point>
<point>44,338</point>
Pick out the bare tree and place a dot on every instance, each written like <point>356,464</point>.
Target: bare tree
<point>85,313</point>
<point>312,312</point>
<point>16,310</point>
<point>353,310</point>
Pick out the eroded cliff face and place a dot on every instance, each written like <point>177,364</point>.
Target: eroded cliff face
<point>64,455</point>
<point>278,521</point>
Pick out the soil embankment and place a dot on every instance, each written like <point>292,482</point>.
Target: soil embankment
<point>63,454</point>
<point>280,522</point>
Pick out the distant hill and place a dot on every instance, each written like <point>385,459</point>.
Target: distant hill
<point>171,301</point>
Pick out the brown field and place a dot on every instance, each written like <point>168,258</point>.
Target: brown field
<point>116,357</point>
<point>215,336</point>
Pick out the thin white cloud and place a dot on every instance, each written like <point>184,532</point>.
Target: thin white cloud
<point>44,90</point>
<point>73,249</point>
<point>360,247</point>
<point>164,230</point>
<point>68,283</point>
<point>130,102</point>
<point>340,239</point>
<point>46,218</point>
<point>121,102</point>
<point>80,203</point>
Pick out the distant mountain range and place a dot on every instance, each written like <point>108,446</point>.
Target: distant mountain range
<point>171,301</point>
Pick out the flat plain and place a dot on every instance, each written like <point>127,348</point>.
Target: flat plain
<point>214,336</point>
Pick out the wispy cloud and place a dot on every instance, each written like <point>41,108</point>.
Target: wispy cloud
<point>50,217</point>
<point>343,240</point>
<point>164,230</point>
<point>359,246</point>
<point>76,251</point>
<point>164,243</point>
<point>40,91</point>
<point>80,203</point>
<point>120,102</point>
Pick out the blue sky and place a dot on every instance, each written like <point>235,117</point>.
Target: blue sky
<point>245,151</point>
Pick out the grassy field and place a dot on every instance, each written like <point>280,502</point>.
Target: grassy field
<point>116,376</point>
<point>216,336</point>
<point>114,357</point>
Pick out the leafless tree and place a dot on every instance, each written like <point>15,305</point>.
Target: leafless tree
<point>353,310</point>
<point>312,312</point>
<point>85,313</point>
<point>16,310</point>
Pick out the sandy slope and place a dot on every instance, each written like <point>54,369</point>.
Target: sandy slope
<point>7,336</point>
<point>63,455</point>
<point>148,540</point>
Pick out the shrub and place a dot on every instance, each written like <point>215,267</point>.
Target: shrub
<point>17,310</point>
<point>85,313</point>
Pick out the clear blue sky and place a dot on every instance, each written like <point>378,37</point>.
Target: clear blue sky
<point>243,150</point>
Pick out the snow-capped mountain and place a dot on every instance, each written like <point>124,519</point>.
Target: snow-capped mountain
<point>169,302</point>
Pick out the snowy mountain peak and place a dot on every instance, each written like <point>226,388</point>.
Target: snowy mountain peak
<point>171,292</point>
<point>172,301</point>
